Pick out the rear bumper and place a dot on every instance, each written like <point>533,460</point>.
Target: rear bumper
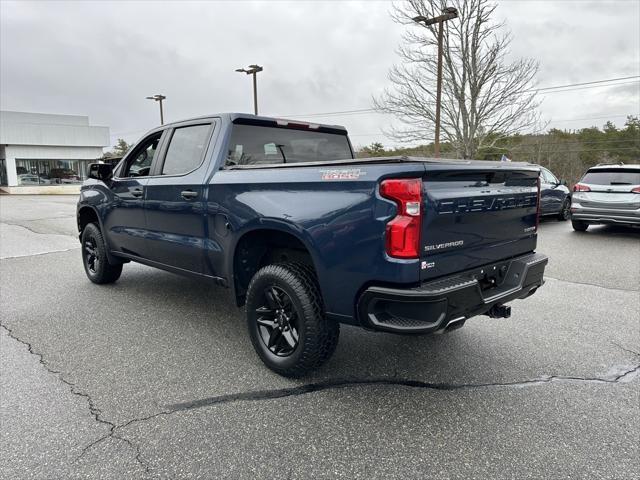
<point>436,306</point>
<point>605,217</point>
<point>627,216</point>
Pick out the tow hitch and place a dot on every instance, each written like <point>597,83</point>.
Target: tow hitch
<point>499,311</point>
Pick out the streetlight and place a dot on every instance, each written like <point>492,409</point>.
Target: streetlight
<point>159,98</point>
<point>448,13</point>
<point>253,70</point>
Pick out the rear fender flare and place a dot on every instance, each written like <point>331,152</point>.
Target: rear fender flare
<point>281,226</point>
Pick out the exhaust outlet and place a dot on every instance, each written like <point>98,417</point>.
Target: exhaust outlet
<point>499,311</point>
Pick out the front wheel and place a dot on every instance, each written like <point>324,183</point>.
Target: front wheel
<point>286,321</point>
<point>565,211</point>
<point>579,225</point>
<point>94,257</point>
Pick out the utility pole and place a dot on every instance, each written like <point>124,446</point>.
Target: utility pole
<point>448,13</point>
<point>159,98</point>
<point>253,70</point>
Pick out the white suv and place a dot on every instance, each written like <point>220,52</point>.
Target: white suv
<point>607,194</point>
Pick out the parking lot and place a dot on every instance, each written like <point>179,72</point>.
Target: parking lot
<point>154,376</point>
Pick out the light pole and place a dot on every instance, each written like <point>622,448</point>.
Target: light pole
<point>159,98</point>
<point>253,70</point>
<point>448,13</point>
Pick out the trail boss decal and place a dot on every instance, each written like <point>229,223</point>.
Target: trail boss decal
<point>342,174</point>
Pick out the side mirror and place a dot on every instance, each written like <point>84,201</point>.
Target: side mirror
<point>100,171</point>
<point>563,182</point>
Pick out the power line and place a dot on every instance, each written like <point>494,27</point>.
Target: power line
<point>571,143</point>
<point>591,86</point>
<point>553,89</point>
<point>584,150</point>
<point>584,83</point>
<point>592,118</point>
<point>617,115</point>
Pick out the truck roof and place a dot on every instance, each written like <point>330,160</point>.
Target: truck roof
<point>232,116</point>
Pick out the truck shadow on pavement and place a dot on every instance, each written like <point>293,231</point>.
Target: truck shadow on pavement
<point>481,353</point>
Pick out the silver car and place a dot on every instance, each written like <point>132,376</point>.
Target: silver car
<point>607,194</point>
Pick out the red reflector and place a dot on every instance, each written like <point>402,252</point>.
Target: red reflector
<point>579,187</point>
<point>636,190</point>
<point>403,232</point>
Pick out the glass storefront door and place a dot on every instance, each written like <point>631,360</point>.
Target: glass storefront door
<point>3,172</point>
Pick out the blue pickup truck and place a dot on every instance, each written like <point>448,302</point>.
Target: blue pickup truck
<point>307,237</point>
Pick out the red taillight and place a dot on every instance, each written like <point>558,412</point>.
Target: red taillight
<point>635,190</point>
<point>538,206</point>
<point>579,187</point>
<point>403,232</point>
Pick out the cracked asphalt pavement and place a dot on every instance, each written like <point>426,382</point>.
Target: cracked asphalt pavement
<point>154,376</point>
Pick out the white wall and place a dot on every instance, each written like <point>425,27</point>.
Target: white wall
<point>65,135</point>
<point>52,153</point>
<point>24,128</point>
<point>7,116</point>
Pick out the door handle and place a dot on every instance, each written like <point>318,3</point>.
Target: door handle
<point>188,194</point>
<point>137,192</point>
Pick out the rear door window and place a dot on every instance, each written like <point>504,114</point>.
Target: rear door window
<point>186,149</point>
<point>612,176</point>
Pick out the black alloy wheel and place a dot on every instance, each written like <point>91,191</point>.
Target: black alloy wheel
<point>94,256</point>
<point>91,258</point>
<point>278,322</point>
<point>286,320</point>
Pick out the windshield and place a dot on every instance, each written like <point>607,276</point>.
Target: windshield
<point>261,145</point>
<point>613,176</point>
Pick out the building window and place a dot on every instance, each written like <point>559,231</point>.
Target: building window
<point>51,172</point>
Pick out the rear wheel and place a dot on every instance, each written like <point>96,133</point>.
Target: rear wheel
<point>286,321</point>
<point>565,211</point>
<point>94,257</point>
<point>579,225</point>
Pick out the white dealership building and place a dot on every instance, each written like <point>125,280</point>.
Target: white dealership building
<point>47,153</point>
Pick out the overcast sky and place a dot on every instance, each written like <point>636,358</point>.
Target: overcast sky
<point>102,58</point>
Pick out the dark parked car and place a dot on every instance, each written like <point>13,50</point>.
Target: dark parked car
<point>555,196</point>
<point>307,237</point>
<point>607,194</point>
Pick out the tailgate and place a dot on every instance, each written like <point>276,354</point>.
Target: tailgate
<point>475,216</point>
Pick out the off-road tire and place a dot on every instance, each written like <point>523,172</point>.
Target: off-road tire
<point>99,270</point>
<point>318,337</point>
<point>579,225</point>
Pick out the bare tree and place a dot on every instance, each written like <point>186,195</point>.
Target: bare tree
<point>484,96</point>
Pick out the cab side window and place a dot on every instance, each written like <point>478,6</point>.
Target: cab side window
<point>139,165</point>
<point>186,149</point>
